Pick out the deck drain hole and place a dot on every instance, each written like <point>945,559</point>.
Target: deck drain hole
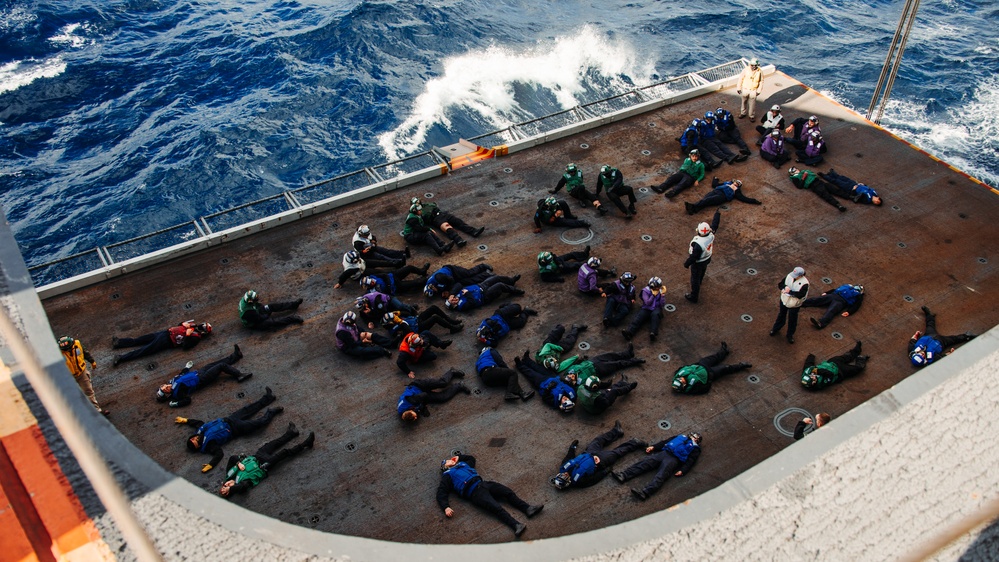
<point>827,280</point>
<point>583,345</point>
<point>822,239</point>
<point>751,271</point>
<point>584,238</point>
<point>746,318</point>
<point>455,452</point>
<point>755,379</point>
<point>643,190</point>
<point>781,415</point>
<point>497,441</point>
<point>664,424</point>
<point>648,238</point>
<point>477,391</point>
<point>482,247</point>
<point>240,395</point>
<point>152,366</point>
<point>983,261</point>
<point>115,296</point>
<point>350,447</point>
<point>308,264</point>
<point>224,261</point>
<point>901,245</point>
<point>428,195</point>
<point>653,125</point>
<point>508,170</point>
<point>584,146</point>
<point>646,153</point>
<point>494,203</point>
<point>896,208</point>
<point>837,336</point>
<point>664,357</point>
<point>670,308</point>
<point>187,306</point>
<point>314,519</point>
<point>908,298</point>
<point>962,215</point>
<point>724,207</point>
<point>335,226</point>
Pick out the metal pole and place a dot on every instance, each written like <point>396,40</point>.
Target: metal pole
<point>79,443</point>
<point>949,534</point>
<point>889,70</point>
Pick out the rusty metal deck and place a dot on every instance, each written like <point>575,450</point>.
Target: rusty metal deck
<point>370,475</point>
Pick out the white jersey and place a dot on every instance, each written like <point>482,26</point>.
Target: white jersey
<point>366,242</point>
<point>795,285</point>
<point>358,266</point>
<point>770,121</point>
<point>707,245</point>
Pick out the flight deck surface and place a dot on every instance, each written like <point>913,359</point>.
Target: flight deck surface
<point>371,475</point>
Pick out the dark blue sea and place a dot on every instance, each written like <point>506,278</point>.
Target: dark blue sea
<point>120,118</point>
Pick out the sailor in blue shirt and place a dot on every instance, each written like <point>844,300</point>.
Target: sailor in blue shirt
<point>848,188</point>
<point>594,463</point>
<point>458,474</point>
<point>845,299</point>
<point>672,457</point>
<point>212,435</point>
<point>925,349</point>
<point>179,389</point>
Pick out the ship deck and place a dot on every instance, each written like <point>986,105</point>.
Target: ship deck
<point>370,475</point>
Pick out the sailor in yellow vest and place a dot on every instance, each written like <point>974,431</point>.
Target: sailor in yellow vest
<point>793,292</point>
<point>76,361</point>
<point>750,85</point>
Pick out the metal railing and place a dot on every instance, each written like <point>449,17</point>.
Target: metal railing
<point>84,268</point>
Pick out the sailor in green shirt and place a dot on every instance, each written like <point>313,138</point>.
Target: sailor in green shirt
<point>691,173</point>
<point>550,354</point>
<point>418,232</point>
<point>448,223</point>
<point>697,378</point>
<point>244,472</point>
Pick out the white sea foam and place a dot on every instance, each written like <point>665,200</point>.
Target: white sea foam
<point>483,83</point>
<point>966,136</point>
<point>15,74</point>
<point>15,19</point>
<point>67,36</point>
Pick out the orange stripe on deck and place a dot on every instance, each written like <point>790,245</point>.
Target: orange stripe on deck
<point>40,493</point>
<point>479,155</point>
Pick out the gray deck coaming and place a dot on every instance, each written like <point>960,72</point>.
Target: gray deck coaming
<point>674,230</point>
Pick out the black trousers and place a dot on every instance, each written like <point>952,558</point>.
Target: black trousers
<point>618,193</point>
<point>488,496</point>
<point>833,301</point>
<point>242,421</point>
<point>653,317</point>
<point>211,372</point>
<point>697,271</point>
<point>151,343</point>
<point>789,315</point>
<point>663,462</point>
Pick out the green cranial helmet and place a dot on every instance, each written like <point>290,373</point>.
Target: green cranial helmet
<point>571,168</point>
<point>551,363</point>
<point>250,296</point>
<point>605,169</point>
<point>545,258</point>
<point>415,208</point>
<point>591,383</point>
<point>551,202</point>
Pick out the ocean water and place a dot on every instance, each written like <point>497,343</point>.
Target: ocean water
<point>120,118</point>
